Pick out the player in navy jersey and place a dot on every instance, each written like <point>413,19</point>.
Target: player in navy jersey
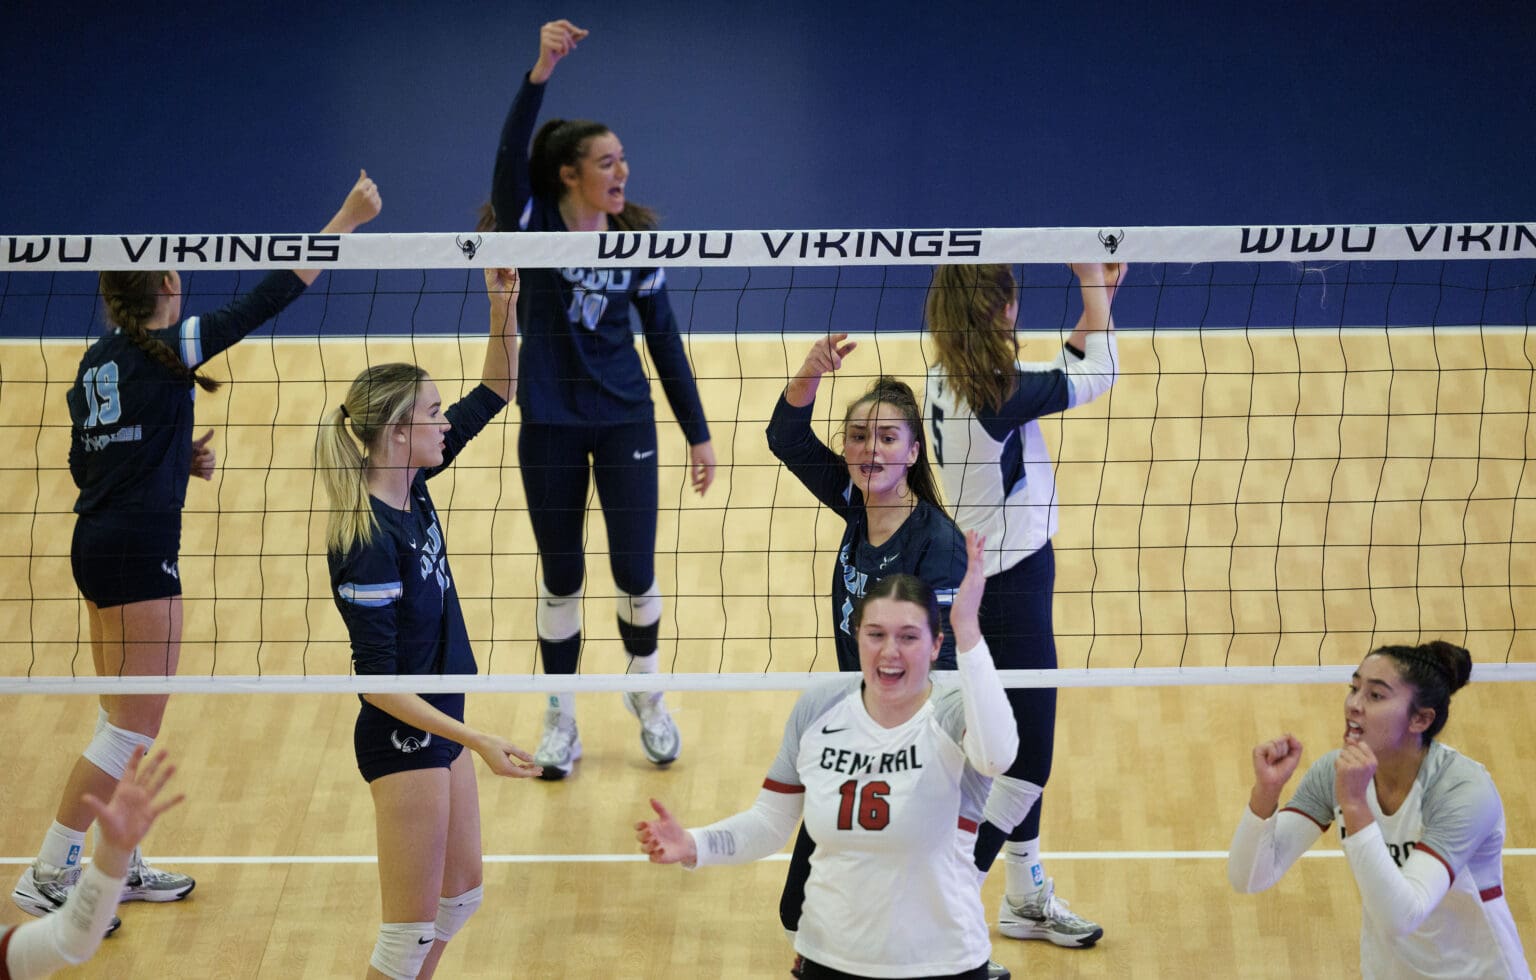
<point>392,583</point>
<point>984,405</point>
<point>585,399</point>
<point>1422,824</point>
<point>132,455</point>
<point>882,485</point>
<point>889,770</point>
<point>72,936</point>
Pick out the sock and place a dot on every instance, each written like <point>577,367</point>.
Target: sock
<point>1021,864</point>
<point>564,703</point>
<point>642,665</point>
<point>62,846</point>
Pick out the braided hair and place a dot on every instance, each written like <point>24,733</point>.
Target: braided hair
<point>1436,670</point>
<point>131,298</point>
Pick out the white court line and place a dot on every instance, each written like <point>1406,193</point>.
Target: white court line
<point>1517,852</point>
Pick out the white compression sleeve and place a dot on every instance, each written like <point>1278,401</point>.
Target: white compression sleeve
<point>1398,900</point>
<point>991,735</point>
<point>1263,850</point>
<point>1094,373</point>
<point>69,936</point>
<point>751,834</point>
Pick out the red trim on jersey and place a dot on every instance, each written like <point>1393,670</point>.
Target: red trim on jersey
<point>5,943</point>
<point>778,787</point>
<point>1291,809</point>
<point>1489,894</point>
<point>969,826</point>
<point>1421,846</point>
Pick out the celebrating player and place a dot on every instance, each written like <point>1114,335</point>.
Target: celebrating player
<point>1422,824</point>
<point>883,487</point>
<point>585,400</point>
<point>132,455</point>
<point>390,579</point>
<point>886,768</point>
<point>71,937</point>
<point>984,405</point>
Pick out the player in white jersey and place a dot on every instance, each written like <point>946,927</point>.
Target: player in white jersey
<point>888,770</point>
<point>70,936</point>
<point>1422,824</point>
<point>984,406</point>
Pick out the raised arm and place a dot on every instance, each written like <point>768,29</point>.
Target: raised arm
<point>557,39</point>
<point>991,734</point>
<point>362,205</point>
<point>1097,281</point>
<point>511,186</point>
<point>1267,843</point>
<point>500,371</point>
<point>70,936</point>
<point>825,355</point>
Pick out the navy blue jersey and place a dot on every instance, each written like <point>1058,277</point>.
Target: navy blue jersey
<point>130,449</point>
<point>927,545</point>
<point>396,593</point>
<point>577,363</point>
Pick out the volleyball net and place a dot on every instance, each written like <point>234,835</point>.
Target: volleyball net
<point>1318,442</point>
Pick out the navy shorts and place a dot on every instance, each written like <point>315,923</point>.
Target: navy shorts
<point>385,744</point>
<point>116,562</point>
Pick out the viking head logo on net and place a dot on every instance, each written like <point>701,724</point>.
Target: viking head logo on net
<point>1113,242</point>
<point>469,246</point>
<point>410,743</point>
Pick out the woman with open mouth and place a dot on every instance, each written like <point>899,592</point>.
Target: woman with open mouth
<point>1422,824</point>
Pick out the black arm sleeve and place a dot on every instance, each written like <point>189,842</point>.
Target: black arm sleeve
<point>511,183</point>
<point>823,472</point>
<point>666,347</point>
<point>201,338</point>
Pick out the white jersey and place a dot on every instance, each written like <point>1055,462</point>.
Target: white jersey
<point>1453,813</point>
<point>893,812</point>
<point>995,466</point>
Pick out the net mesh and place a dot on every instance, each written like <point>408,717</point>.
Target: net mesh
<point>1312,448</point>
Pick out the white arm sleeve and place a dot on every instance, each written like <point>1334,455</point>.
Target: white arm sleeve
<point>991,735</point>
<point>1264,850</point>
<point>1397,900</point>
<point>69,936</point>
<point>1093,373</point>
<point>751,834</point>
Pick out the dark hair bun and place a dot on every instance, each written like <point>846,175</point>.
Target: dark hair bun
<point>1454,660</point>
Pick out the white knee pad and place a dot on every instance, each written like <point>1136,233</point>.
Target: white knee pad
<point>453,912</point>
<point>112,748</point>
<point>402,948</point>
<point>640,610</point>
<point>1009,802</point>
<point>558,616</point>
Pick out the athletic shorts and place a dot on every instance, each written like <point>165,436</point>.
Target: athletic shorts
<point>384,744</point>
<point>116,563</point>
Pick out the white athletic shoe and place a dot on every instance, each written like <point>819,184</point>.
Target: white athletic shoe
<point>658,732</point>
<point>997,971</point>
<point>146,884</point>
<point>559,748</point>
<point>44,888</point>
<point>1044,916</point>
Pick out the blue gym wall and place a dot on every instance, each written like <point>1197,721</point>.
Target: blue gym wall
<point>207,117</point>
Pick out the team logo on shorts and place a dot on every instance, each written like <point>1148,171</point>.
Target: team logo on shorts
<point>170,568</point>
<point>410,743</point>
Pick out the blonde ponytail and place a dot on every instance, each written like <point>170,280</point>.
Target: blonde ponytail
<point>380,397</point>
